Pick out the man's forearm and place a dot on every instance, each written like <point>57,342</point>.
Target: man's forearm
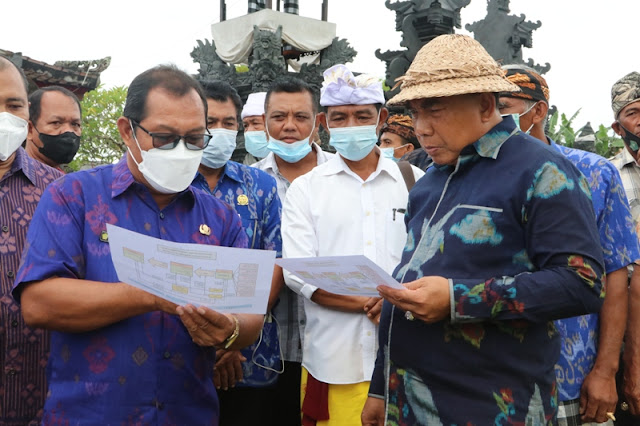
<point>73,305</point>
<point>338,302</point>
<point>632,341</point>
<point>613,321</point>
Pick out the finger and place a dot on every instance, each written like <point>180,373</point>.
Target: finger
<point>371,303</point>
<point>231,373</point>
<point>377,308</point>
<point>634,406</point>
<point>591,410</point>
<point>237,364</point>
<point>583,401</point>
<point>224,380</point>
<point>216,378</point>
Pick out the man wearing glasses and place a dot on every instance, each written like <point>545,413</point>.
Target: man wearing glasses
<point>119,354</point>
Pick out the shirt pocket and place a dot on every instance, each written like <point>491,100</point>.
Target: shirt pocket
<point>396,232</point>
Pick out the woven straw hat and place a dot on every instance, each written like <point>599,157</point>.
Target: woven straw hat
<point>449,65</point>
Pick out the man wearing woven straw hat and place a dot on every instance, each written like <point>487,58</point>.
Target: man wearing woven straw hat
<point>625,102</point>
<point>352,204</point>
<point>486,270</point>
<point>397,137</point>
<point>589,357</point>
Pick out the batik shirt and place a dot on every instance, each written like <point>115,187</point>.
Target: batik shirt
<point>253,195</point>
<point>579,335</point>
<point>630,174</point>
<point>23,350</point>
<point>145,369</point>
<point>512,228</point>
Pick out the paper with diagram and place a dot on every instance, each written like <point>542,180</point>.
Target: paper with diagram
<point>225,279</point>
<point>346,275</point>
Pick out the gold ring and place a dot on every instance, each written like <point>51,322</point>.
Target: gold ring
<point>195,328</point>
<point>624,406</point>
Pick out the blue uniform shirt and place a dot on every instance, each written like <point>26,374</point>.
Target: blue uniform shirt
<point>254,196</point>
<point>579,335</point>
<point>512,228</point>
<point>145,369</point>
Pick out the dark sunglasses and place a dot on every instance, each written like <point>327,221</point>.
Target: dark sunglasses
<point>170,140</point>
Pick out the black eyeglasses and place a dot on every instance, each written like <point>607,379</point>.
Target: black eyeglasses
<point>170,140</point>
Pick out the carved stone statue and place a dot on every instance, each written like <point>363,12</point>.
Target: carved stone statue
<point>505,35</point>
<point>420,21</point>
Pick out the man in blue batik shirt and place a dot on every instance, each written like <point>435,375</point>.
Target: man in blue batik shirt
<point>120,355</point>
<point>497,248</point>
<point>246,378</point>
<point>591,344</point>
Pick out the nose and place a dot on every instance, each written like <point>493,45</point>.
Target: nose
<point>289,124</point>
<point>69,127</point>
<point>422,127</point>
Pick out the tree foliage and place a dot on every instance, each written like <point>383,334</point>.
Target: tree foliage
<point>101,143</point>
<point>560,129</point>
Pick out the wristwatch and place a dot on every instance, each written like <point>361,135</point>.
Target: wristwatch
<point>234,335</point>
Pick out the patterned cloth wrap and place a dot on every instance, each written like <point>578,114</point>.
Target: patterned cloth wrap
<point>624,92</point>
<point>532,85</point>
<point>401,125</point>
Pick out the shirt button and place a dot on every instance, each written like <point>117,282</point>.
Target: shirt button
<point>5,228</point>
<point>368,333</point>
<point>161,215</point>
<point>10,274</point>
<point>369,243</point>
<point>14,323</point>
<point>167,355</point>
<point>368,213</point>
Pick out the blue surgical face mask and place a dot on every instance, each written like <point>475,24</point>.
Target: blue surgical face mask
<point>256,143</point>
<point>516,118</point>
<point>220,148</point>
<point>291,152</point>
<point>390,153</point>
<point>354,143</point>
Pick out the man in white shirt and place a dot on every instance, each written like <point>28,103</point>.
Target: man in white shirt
<point>352,204</point>
<point>290,118</point>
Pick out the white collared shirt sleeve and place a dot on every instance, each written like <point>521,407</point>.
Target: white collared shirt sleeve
<point>298,234</point>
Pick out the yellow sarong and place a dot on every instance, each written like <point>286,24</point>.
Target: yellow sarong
<point>345,402</point>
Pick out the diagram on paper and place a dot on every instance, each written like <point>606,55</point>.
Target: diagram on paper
<point>347,275</point>
<point>222,278</point>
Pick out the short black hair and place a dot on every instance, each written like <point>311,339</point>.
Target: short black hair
<point>35,100</point>
<point>292,85</point>
<point>3,65</point>
<point>167,77</point>
<point>222,91</point>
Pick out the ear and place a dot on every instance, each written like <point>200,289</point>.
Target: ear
<point>617,128</point>
<point>31,132</point>
<point>126,134</point>
<point>488,107</point>
<point>321,120</point>
<point>384,114</point>
<point>540,112</point>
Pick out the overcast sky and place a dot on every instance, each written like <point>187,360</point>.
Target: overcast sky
<point>589,44</point>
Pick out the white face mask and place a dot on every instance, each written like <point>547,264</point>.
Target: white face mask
<point>168,171</point>
<point>220,148</point>
<point>13,131</point>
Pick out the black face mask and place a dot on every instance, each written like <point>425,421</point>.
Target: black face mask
<point>60,148</point>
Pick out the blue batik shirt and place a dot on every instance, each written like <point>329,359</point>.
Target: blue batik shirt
<point>512,228</point>
<point>254,196</point>
<point>579,335</point>
<point>141,370</point>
